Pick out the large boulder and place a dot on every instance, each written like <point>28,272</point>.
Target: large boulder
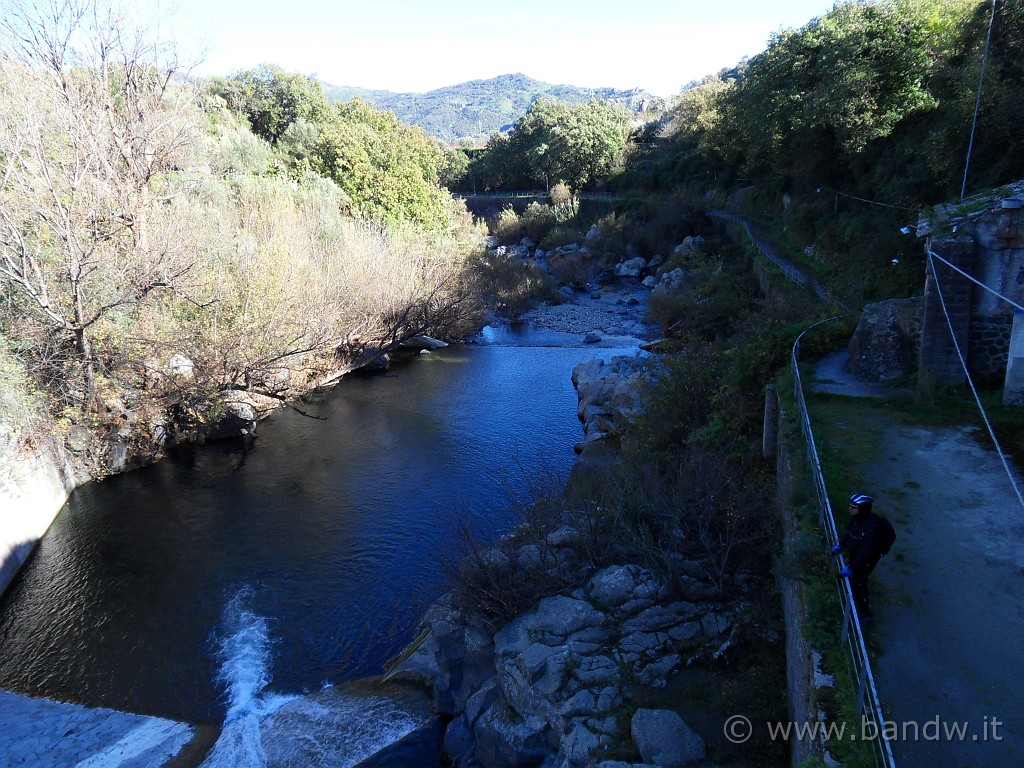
<point>671,283</point>
<point>505,740</point>
<point>663,738</point>
<point>631,267</point>
<point>618,584</point>
<point>609,393</point>
<point>885,344</point>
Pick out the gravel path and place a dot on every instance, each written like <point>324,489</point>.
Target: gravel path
<point>950,621</point>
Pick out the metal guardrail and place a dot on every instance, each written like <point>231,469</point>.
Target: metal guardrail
<point>869,706</point>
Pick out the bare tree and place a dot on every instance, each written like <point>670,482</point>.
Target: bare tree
<point>93,113</point>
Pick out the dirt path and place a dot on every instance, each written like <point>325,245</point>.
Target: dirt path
<point>948,641</point>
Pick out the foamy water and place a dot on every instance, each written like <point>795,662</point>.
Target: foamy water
<point>263,728</point>
<point>245,672</point>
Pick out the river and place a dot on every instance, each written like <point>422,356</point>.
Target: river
<point>329,535</point>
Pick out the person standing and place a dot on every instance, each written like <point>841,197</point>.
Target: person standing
<point>868,537</point>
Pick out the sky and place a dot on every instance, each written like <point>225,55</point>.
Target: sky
<point>407,46</point>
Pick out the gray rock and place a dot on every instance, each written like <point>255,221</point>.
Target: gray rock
<point>567,291</point>
<point>649,282</point>
<point>528,242</point>
<point>420,667</point>
<point>491,242</point>
<point>660,617</point>
<point>423,343</point>
<point>78,439</point>
<point>661,737</point>
<point>884,345</point>
<point>582,704</point>
<point>595,671</point>
<point>658,669</point>
<point>592,338</point>
<point>616,584</point>
<point>523,697</point>
<point>483,699</point>
<point>562,616</point>
<point>685,633</point>
<point>671,283</point>
<point>610,698</point>
<point>641,643</point>
<point>631,268</point>
<point>179,365</point>
<point>458,740</point>
<point>580,743</point>
<point>505,740</point>
<point>563,537</point>
<point>691,244</point>
<point>632,607</point>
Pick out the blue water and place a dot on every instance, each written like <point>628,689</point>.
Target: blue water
<point>334,530</point>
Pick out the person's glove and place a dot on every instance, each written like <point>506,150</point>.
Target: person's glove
<point>847,571</point>
<point>836,549</point>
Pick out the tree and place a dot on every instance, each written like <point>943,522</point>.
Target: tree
<point>389,170</point>
<point>93,114</point>
<point>555,142</point>
<point>272,99</point>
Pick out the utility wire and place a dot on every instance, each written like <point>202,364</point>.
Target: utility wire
<point>865,200</point>
<point>977,102</point>
<point>974,280</point>
<point>974,391</point>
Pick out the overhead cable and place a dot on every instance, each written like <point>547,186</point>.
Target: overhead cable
<point>865,200</point>
<point>975,280</point>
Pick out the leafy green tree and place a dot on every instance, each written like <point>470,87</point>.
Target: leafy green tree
<point>556,142</point>
<point>272,99</point>
<point>389,170</point>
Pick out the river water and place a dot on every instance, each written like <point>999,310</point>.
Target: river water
<point>326,536</point>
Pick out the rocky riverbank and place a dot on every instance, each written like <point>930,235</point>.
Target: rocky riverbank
<point>580,677</point>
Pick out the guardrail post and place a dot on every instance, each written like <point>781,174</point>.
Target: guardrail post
<point>862,680</point>
<point>846,623</point>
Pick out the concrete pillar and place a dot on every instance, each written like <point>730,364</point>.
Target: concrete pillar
<point>1013,386</point>
<point>939,359</point>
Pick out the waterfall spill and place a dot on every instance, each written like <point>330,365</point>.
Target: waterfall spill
<point>245,671</point>
<point>263,728</point>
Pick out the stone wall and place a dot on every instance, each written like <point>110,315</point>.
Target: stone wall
<point>938,354</point>
<point>989,346</point>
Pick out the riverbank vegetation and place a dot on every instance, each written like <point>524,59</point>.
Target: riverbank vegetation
<point>157,253</point>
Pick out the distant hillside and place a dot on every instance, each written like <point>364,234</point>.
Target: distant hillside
<point>477,108</point>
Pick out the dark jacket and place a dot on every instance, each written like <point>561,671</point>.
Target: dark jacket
<point>863,541</point>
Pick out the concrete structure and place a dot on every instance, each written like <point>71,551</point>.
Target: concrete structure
<point>34,484</point>
<point>983,237</point>
<point>49,734</point>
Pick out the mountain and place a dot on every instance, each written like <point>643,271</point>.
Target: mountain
<point>477,108</point>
